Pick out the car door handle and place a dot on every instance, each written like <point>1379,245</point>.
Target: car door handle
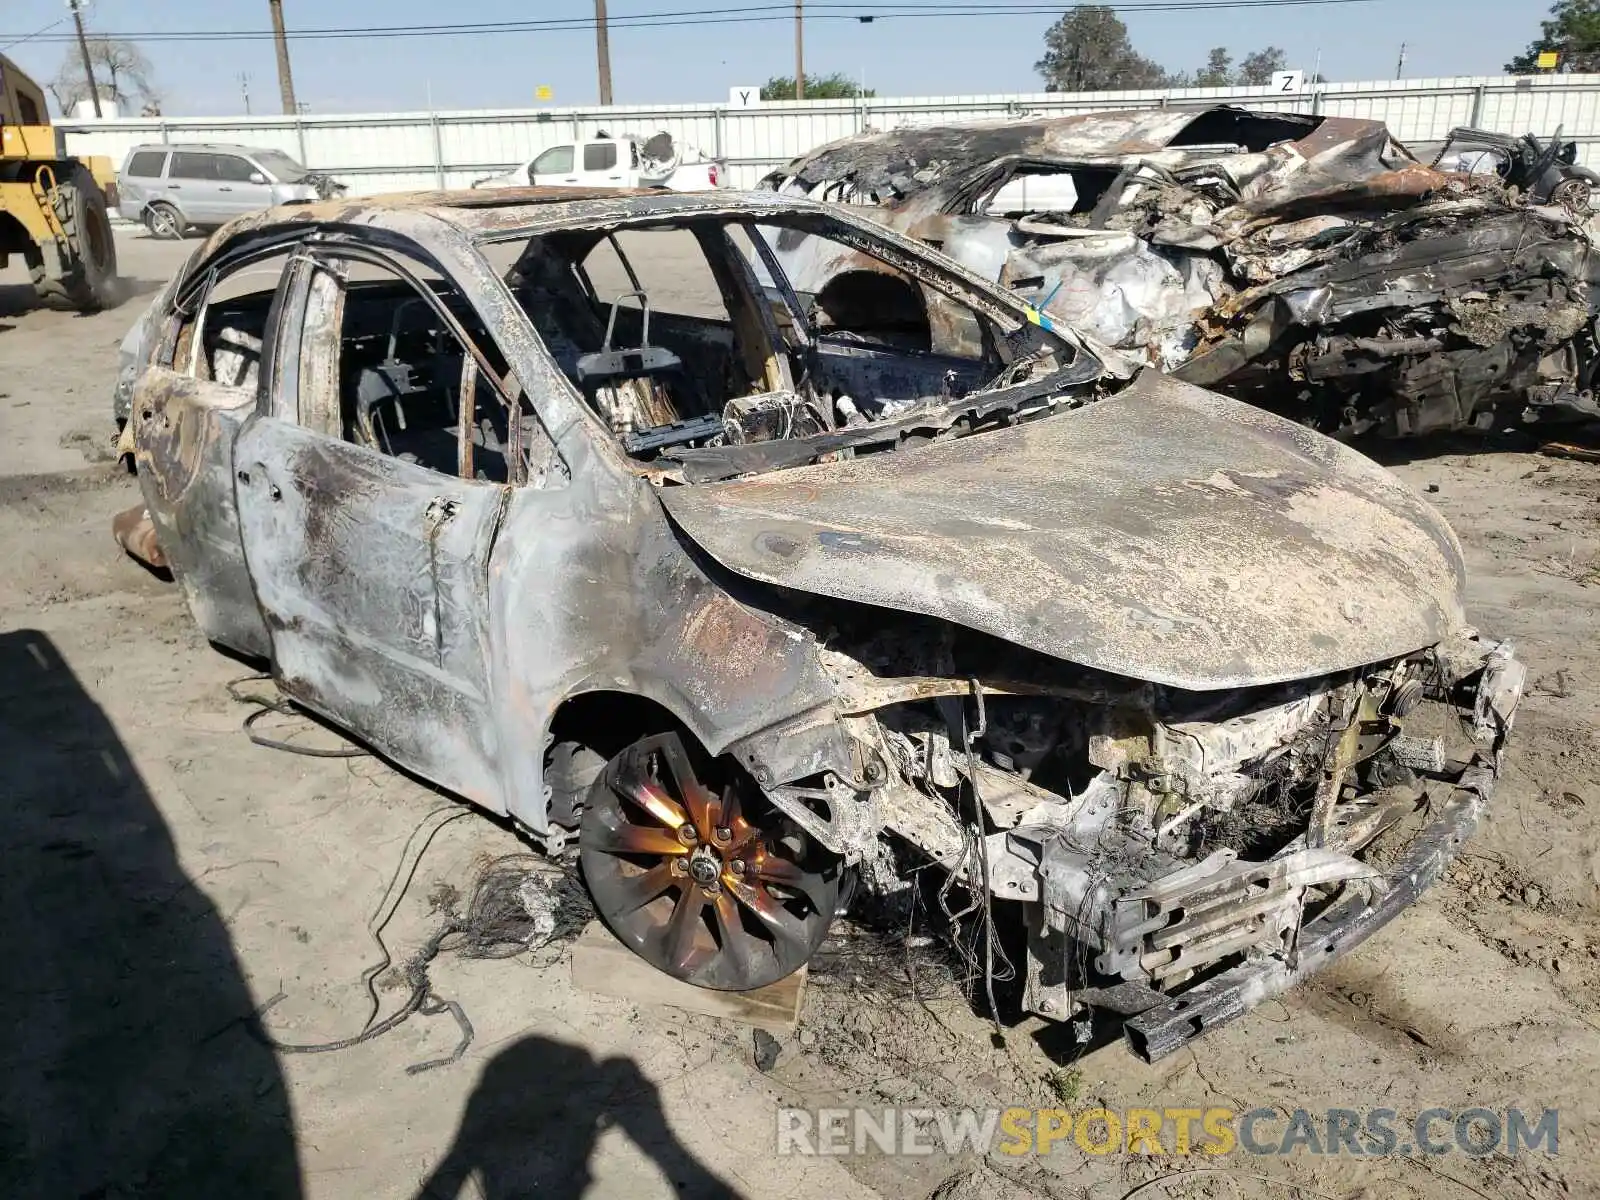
<point>224,188</point>
<point>570,179</point>
<point>174,187</point>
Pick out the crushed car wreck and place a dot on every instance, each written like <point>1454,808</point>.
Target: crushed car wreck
<point>1306,264</point>
<point>628,543</point>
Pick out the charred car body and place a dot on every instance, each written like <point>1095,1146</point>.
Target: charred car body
<point>749,608</point>
<point>1306,264</point>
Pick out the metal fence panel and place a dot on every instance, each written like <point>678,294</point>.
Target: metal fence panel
<point>377,152</point>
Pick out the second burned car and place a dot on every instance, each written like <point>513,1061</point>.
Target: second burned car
<point>1307,264</point>
<point>567,503</point>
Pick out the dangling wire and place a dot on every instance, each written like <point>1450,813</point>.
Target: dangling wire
<point>283,707</point>
<point>974,859</point>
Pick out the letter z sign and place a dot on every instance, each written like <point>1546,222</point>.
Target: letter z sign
<point>1288,83</point>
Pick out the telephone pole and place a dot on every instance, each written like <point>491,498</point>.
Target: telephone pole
<point>244,86</point>
<point>83,48</point>
<point>602,49</point>
<point>285,78</point>
<point>1400,67</point>
<point>799,53</point>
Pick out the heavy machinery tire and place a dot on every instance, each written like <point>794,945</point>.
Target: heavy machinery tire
<point>164,222</point>
<point>86,279</point>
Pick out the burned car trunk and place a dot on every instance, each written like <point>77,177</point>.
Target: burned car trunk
<point>758,595</point>
<point>1309,265</point>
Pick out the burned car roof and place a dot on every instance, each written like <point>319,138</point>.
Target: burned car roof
<point>910,159</point>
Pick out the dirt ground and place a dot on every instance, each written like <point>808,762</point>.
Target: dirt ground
<point>163,878</point>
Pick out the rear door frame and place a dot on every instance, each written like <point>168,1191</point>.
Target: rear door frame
<point>372,574</point>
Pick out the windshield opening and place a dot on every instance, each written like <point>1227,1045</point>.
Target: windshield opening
<point>712,335</point>
<point>280,166</point>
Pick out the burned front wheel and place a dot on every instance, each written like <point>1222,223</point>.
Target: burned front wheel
<point>696,872</point>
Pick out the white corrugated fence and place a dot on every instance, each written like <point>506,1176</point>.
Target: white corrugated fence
<point>383,152</point>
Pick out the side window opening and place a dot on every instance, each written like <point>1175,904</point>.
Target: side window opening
<point>192,165</point>
<point>599,156</point>
<point>1041,188</point>
<point>418,386</point>
<point>232,169</point>
<point>223,340</point>
<point>555,161</point>
<point>662,330</point>
<point>146,164</point>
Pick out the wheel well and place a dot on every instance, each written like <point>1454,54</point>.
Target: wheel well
<point>606,722</point>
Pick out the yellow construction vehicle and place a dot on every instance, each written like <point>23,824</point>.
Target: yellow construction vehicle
<point>52,206</point>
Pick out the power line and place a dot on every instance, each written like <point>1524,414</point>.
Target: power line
<point>746,14</point>
<point>35,34</point>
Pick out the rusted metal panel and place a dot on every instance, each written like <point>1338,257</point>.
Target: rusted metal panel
<point>183,438</point>
<point>591,590</point>
<point>1163,533</point>
<point>371,575</point>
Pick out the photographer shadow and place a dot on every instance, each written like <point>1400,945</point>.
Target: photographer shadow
<point>531,1124</point>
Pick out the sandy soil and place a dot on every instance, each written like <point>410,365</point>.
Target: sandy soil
<point>164,877</point>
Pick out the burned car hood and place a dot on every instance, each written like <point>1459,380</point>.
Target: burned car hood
<point>1164,533</point>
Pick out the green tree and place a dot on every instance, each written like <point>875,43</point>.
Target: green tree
<point>1259,67</point>
<point>1088,50</point>
<point>1573,32</point>
<point>837,86</point>
<point>1218,71</point>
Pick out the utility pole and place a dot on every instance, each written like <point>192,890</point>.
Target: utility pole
<point>602,49</point>
<point>285,78</point>
<point>244,86</point>
<point>83,48</point>
<point>1400,67</point>
<point>799,53</point>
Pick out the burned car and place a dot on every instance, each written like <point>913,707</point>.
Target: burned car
<point>1306,264</point>
<point>566,502</point>
<point>1547,170</point>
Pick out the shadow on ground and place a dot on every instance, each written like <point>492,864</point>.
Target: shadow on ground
<point>532,1120</point>
<point>125,1069</point>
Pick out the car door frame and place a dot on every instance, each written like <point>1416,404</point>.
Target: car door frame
<point>184,433</point>
<point>603,177</point>
<point>569,177</point>
<point>373,574</point>
<point>200,199</point>
<point>238,197</point>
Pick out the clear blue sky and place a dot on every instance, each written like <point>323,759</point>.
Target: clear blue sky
<point>916,56</point>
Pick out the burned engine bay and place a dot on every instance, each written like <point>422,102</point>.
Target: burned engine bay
<point>1174,856</point>
<point>1306,264</point>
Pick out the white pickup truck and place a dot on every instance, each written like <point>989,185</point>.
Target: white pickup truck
<point>615,162</point>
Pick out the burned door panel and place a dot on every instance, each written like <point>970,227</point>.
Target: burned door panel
<point>371,575</point>
<point>184,430</point>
